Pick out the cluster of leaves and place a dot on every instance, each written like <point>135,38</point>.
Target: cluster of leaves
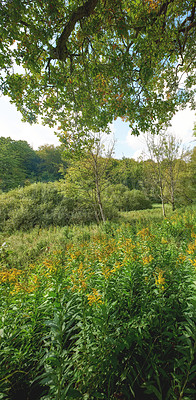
<point>111,316</point>
<point>83,64</point>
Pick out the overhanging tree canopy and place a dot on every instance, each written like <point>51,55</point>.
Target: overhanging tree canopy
<point>87,62</point>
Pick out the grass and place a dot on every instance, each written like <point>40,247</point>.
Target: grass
<point>23,247</point>
<point>146,216</point>
<point>100,312</point>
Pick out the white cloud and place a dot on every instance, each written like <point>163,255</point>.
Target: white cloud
<point>181,126</point>
<point>136,143</point>
<point>12,126</point>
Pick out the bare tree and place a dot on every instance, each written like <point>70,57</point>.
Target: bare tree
<point>166,158</point>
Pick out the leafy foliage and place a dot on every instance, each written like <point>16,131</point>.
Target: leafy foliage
<point>166,171</point>
<point>82,64</point>
<point>17,163</point>
<point>51,163</point>
<point>120,197</point>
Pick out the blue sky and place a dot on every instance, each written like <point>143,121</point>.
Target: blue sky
<point>126,145</point>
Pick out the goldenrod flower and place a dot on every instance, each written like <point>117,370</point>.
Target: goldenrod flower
<point>193,262</point>
<point>94,298</point>
<point>191,247</point>
<point>147,259</point>
<point>181,258</point>
<point>106,272</point>
<point>144,233</point>
<point>160,280</point>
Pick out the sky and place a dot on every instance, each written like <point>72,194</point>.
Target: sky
<point>126,145</point>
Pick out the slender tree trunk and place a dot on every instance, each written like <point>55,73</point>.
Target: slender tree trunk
<point>98,191</point>
<point>161,189</point>
<point>163,209</point>
<point>96,213</point>
<point>163,202</point>
<point>172,187</point>
<point>99,202</point>
<point>172,198</point>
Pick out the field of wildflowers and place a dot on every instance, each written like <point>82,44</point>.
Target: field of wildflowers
<point>105,314</point>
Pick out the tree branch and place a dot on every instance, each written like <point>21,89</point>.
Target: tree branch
<point>192,24</point>
<point>61,51</point>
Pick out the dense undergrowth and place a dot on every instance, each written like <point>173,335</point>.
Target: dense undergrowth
<point>100,312</point>
<point>59,204</point>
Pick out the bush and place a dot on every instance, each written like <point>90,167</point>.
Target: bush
<point>136,200</point>
<point>45,204</point>
<point>120,197</point>
<point>41,204</point>
<point>55,203</point>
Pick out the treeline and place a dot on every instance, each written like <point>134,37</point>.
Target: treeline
<point>43,188</point>
<point>20,165</point>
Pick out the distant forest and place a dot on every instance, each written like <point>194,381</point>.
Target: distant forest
<point>166,171</point>
<point>20,165</point>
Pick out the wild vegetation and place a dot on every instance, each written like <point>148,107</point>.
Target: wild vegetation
<point>101,311</point>
<point>97,298</point>
<point>165,175</point>
<point>106,309</point>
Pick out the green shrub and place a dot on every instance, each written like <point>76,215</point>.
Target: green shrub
<point>45,204</point>
<point>38,204</point>
<point>120,197</point>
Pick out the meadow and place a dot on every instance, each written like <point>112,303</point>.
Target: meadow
<point>100,311</point>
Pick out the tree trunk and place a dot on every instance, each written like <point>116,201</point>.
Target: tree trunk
<point>161,189</point>
<point>163,208</point>
<point>99,202</point>
<point>172,200</point>
<point>163,203</point>
<point>172,191</point>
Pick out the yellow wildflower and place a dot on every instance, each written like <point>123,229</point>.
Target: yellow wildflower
<point>160,280</point>
<point>94,298</point>
<point>193,262</point>
<point>147,259</point>
<point>9,275</point>
<point>181,258</point>
<point>106,272</point>
<point>191,247</point>
<point>144,233</point>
